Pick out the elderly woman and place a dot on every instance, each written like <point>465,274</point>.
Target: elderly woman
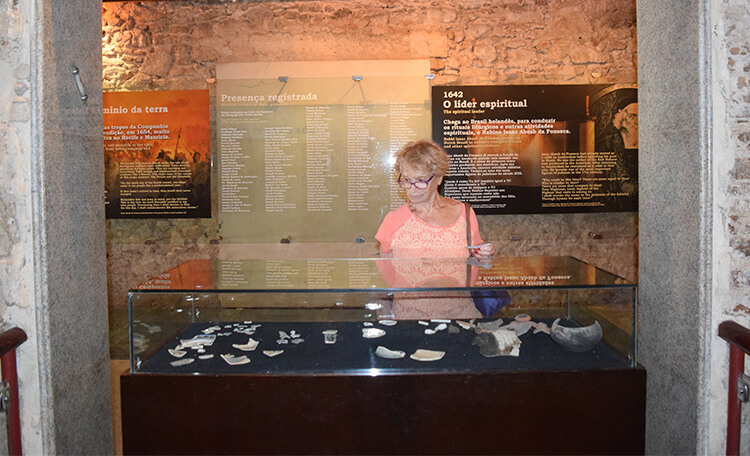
<point>428,226</point>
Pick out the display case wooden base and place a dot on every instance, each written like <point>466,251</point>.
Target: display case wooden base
<point>598,411</point>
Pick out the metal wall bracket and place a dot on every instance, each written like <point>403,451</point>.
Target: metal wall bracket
<point>79,83</point>
<point>743,388</point>
<point>4,396</point>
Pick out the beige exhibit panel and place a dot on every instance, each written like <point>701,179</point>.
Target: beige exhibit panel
<point>305,149</point>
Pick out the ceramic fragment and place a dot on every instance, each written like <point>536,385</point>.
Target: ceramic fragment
<point>429,331</point>
<point>182,362</point>
<point>272,353</point>
<point>540,326</point>
<point>208,356</point>
<point>464,325</point>
<point>367,324</point>
<point>202,350</point>
<point>372,333</point>
<point>197,347</point>
<point>576,339</point>
<point>247,322</point>
<point>251,345</point>
<point>427,355</point>
<point>498,342</point>
<point>177,353</point>
<point>200,339</point>
<point>387,353</point>
<point>453,329</point>
<point>490,325</point>
<point>211,330</point>
<point>441,327</point>
<point>235,360</point>
<point>423,323</point>
<point>387,322</point>
<point>329,336</point>
<point>297,341</point>
<point>283,335</point>
<point>520,327</point>
<point>439,320</point>
<point>282,341</point>
<point>522,317</point>
<point>294,334</point>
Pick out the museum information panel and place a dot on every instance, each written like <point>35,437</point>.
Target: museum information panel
<point>540,149</point>
<point>157,154</point>
<point>309,158</point>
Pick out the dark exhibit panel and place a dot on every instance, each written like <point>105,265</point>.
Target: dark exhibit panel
<point>521,412</point>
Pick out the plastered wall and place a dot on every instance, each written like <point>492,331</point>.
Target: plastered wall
<point>177,45</point>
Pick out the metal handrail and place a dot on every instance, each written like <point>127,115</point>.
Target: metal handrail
<point>738,338</point>
<point>9,341</point>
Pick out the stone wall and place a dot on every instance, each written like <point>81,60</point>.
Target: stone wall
<point>177,45</point>
<point>16,239</point>
<point>731,190</point>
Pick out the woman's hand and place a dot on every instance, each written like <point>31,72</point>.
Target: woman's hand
<point>483,252</point>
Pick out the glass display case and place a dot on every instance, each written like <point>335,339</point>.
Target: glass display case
<point>380,316</point>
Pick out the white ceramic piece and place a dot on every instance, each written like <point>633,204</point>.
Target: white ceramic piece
<point>507,342</point>
<point>251,345</point>
<point>427,355</point>
<point>429,331</point>
<point>441,327</point>
<point>464,325</point>
<point>235,360</point>
<point>541,326</point>
<point>294,334</point>
<point>202,350</point>
<point>197,347</point>
<point>372,333</point>
<point>297,341</point>
<point>177,353</point>
<point>282,341</point>
<point>387,322</point>
<point>423,323</point>
<point>201,339</point>
<point>283,335</point>
<point>208,356</point>
<point>272,353</point>
<point>367,324</point>
<point>329,336</point>
<point>520,327</point>
<point>440,320</point>
<point>182,362</point>
<point>387,353</point>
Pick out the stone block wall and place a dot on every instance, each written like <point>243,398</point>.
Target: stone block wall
<point>731,195</point>
<point>176,45</point>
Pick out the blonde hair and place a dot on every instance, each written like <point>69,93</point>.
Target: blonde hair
<point>426,154</point>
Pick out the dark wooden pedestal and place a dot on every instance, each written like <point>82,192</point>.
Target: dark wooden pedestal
<point>535,412</point>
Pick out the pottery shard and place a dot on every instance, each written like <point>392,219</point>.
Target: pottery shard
<point>427,355</point>
<point>387,353</point>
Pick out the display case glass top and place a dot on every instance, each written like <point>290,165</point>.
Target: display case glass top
<point>379,316</point>
<point>366,274</point>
